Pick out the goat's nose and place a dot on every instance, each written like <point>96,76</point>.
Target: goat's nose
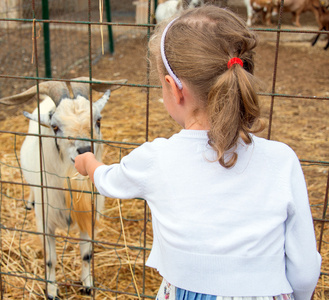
<point>84,149</point>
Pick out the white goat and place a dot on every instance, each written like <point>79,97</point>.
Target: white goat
<point>62,116</point>
<point>169,8</point>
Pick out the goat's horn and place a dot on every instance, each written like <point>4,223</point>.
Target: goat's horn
<point>56,90</point>
<point>83,89</point>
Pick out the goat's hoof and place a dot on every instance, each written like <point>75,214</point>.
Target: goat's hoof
<point>85,291</point>
<point>53,298</point>
<point>29,206</point>
<point>49,297</point>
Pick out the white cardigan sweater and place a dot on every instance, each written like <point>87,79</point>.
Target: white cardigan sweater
<point>244,231</point>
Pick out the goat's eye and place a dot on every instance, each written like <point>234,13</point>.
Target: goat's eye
<point>55,128</point>
<point>98,122</point>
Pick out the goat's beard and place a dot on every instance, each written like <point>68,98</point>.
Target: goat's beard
<point>79,196</point>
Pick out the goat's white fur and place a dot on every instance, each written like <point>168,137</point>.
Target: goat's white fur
<point>72,118</point>
<point>55,207</point>
<point>169,8</point>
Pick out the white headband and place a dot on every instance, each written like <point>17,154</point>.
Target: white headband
<point>164,58</point>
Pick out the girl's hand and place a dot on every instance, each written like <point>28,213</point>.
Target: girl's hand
<point>86,164</point>
<point>81,162</point>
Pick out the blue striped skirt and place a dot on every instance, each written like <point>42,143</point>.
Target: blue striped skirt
<point>170,292</point>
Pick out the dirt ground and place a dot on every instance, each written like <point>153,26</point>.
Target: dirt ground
<point>299,118</point>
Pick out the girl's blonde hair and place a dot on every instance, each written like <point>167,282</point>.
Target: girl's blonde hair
<point>198,46</point>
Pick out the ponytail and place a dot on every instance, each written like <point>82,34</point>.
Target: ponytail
<point>233,111</point>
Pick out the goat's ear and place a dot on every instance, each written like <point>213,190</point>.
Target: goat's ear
<point>44,119</point>
<point>100,103</point>
<point>22,97</point>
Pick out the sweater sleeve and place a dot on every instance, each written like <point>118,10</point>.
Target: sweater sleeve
<point>303,262</point>
<point>128,178</point>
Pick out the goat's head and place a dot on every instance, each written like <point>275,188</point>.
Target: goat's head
<point>194,3</point>
<point>70,115</point>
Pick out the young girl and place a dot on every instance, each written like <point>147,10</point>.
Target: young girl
<point>230,211</point>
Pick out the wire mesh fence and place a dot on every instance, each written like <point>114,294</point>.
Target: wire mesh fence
<point>82,36</point>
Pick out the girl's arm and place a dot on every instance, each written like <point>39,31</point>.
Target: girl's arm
<point>86,164</point>
<point>303,262</point>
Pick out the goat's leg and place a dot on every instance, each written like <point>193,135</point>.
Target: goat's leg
<point>249,12</point>
<point>51,263</point>
<point>297,17</point>
<point>267,14</point>
<point>327,46</point>
<point>294,17</point>
<point>275,10</point>
<point>50,248</point>
<point>30,201</point>
<point>327,29</point>
<point>86,255</point>
<point>316,39</point>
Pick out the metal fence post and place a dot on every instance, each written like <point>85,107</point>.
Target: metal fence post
<point>109,19</point>
<point>46,38</point>
<point>155,6</point>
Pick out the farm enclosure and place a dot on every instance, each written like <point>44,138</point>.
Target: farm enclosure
<point>299,117</point>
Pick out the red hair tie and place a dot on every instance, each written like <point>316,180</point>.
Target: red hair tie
<point>233,61</point>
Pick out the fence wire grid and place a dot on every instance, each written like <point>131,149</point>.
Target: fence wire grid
<point>107,40</point>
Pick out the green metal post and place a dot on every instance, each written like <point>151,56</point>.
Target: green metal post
<point>46,38</point>
<point>155,5</point>
<point>109,19</point>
